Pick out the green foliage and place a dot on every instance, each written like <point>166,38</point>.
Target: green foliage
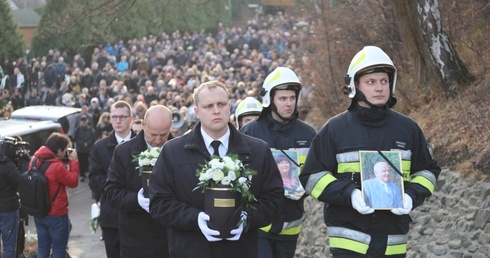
<point>78,25</point>
<point>11,41</point>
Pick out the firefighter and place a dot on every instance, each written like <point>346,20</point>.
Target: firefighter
<point>279,126</point>
<point>331,172</point>
<point>248,110</point>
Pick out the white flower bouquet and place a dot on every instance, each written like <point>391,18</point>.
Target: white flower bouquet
<point>146,159</point>
<point>227,171</point>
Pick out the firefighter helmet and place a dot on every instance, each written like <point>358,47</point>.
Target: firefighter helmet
<point>282,78</point>
<point>248,106</point>
<point>370,59</point>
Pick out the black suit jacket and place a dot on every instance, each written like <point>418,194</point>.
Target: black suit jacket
<point>99,161</point>
<point>140,234</point>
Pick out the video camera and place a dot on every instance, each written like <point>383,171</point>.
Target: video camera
<point>11,148</point>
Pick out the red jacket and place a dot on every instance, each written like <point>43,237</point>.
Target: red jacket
<point>59,176</point>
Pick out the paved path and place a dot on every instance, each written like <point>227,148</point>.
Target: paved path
<point>82,243</point>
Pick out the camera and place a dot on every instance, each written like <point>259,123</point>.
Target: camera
<point>70,150</point>
<point>11,148</point>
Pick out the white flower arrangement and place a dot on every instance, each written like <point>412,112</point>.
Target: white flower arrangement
<point>147,159</point>
<point>227,171</point>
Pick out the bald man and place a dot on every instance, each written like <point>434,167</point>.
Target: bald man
<point>139,233</point>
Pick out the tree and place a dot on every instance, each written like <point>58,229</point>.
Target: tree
<point>11,41</point>
<point>430,47</point>
<point>75,25</point>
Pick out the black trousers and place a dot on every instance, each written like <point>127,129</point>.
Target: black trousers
<point>111,241</point>
<point>83,160</point>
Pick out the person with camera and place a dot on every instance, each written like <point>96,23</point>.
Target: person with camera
<point>53,230</point>
<point>11,164</point>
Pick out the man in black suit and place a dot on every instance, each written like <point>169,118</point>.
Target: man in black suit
<point>140,234</point>
<point>100,158</point>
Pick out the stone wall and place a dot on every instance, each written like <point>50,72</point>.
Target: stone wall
<point>454,222</point>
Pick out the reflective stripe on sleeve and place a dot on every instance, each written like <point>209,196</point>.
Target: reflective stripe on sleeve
<point>289,228</point>
<point>406,156</point>
<point>397,244</point>
<point>318,182</point>
<point>352,156</point>
<point>348,239</point>
<point>426,179</point>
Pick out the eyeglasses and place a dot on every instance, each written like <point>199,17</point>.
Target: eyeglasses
<point>122,118</point>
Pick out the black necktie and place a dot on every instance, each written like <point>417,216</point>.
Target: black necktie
<point>215,145</point>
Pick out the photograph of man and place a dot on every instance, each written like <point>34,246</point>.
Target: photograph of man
<point>175,203</point>
<point>381,192</point>
<point>139,233</point>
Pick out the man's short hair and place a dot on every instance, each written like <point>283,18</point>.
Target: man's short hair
<point>122,104</point>
<point>210,85</point>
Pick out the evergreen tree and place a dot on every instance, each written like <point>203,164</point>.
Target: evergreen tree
<point>11,41</point>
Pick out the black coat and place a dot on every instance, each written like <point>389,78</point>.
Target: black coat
<point>99,161</point>
<point>9,185</point>
<point>174,203</point>
<point>140,234</point>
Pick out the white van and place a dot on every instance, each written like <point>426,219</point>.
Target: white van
<point>34,132</point>
<point>66,116</point>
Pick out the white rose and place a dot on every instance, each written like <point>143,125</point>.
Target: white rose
<point>209,174</point>
<point>232,175</point>
<point>153,161</point>
<point>238,164</point>
<point>242,180</point>
<point>225,181</point>
<point>203,177</point>
<point>218,175</point>
<point>154,152</point>
<point>216,164</point>
<point>144,162</point>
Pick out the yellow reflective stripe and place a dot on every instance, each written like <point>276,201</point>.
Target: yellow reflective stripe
<point>424,182</point>
<point>266,228</point>
<point>291,231</point>
<point>396,249</point>
<point>321,185</point>
<point>349,167</point>
<point>358,60</point>
<point>406,169</point>
<point>347,244</point>
<point>288,231</point>
<point>302,159</point>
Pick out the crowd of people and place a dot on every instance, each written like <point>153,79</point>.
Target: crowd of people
<point>205,78</point>
<point>156,69</point>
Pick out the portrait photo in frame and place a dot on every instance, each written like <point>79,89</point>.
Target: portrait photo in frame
<point>288,164</point>
<point>381,179</point>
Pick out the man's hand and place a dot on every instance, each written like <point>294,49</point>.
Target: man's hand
<point>407,206</point>
<point>238,231</point>
<point>202,222</point>
<point>143,202</point>
<point>359,204</point>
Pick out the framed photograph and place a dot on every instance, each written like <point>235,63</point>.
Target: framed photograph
<point>288,164</point>
<point>381,179</point>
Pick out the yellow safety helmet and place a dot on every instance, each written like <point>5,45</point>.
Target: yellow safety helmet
<point>370,59</point>
<point>282,78</point>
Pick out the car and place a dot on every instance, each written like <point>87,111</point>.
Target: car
<point>66,116</point>
<point>34,132</point>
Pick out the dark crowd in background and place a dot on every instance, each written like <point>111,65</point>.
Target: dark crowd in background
<point>156,69</point>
